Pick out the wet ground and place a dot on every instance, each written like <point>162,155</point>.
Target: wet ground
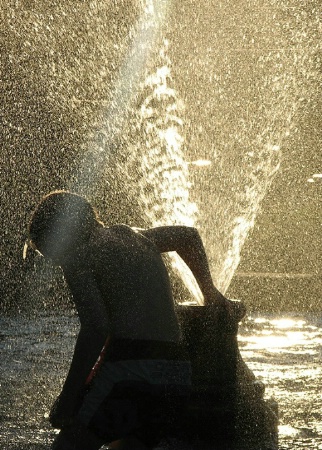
<point>285,352</point>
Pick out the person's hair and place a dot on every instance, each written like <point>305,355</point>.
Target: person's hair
<point>62,222</point>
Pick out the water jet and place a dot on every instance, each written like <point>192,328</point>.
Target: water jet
<point>223,83</point>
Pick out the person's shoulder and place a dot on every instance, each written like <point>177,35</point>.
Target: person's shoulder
<point>110,236</point>
<point>122,228</point>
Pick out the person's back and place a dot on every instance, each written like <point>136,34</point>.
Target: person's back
<point>134,284</point>
<point>121,290</point>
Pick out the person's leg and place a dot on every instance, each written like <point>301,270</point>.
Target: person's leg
<point>77,437</point>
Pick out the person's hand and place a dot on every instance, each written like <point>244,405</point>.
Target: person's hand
<point>233,310</point>
<point>213,297</point>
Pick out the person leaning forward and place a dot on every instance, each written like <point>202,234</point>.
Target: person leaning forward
<point>129,359</point>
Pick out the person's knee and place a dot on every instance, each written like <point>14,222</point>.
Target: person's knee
<point>63,442</point>
<point>77,437</point>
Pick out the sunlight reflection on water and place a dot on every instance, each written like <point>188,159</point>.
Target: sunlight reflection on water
<point>285,353</point>
<point>283,335</point>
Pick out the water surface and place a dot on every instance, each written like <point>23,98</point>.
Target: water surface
<point>285,352</point>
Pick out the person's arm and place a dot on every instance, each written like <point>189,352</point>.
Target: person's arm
<point>187,242</point>
<point>91,338</point>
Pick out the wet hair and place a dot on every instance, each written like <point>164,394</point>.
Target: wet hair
<point>61,223</point>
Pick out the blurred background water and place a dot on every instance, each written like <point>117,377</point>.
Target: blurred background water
<point>167,113</point>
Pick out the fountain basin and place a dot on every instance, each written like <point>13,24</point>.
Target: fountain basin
<point>227,409</point>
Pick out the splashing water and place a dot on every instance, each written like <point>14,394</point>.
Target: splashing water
<point>155,171</point>
<point>243,73</point>
<point>189,129</point>
<point>163,181</point>
<point>132,97</point>
<point>255,96</point>
<point>123,93</point>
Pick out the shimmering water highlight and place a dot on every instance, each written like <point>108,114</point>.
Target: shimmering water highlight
<point>36,353</point>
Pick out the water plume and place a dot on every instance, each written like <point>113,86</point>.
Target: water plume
<point>154,170</point>
<point>119,103</point>
<point>145,36</point>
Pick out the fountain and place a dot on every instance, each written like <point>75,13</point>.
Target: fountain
<point>160,114</point>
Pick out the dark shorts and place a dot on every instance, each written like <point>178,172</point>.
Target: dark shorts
<point>140,389</point>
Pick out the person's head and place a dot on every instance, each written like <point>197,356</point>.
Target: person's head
<point>61,223</point>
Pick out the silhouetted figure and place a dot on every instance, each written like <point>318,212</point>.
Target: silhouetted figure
<point>141,379</point>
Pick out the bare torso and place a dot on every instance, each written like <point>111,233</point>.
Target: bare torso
<point>133,283</point>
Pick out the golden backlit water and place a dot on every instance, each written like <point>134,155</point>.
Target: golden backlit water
<point>218,97</point>
<point>119,99</point>
<point>285,352</point>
